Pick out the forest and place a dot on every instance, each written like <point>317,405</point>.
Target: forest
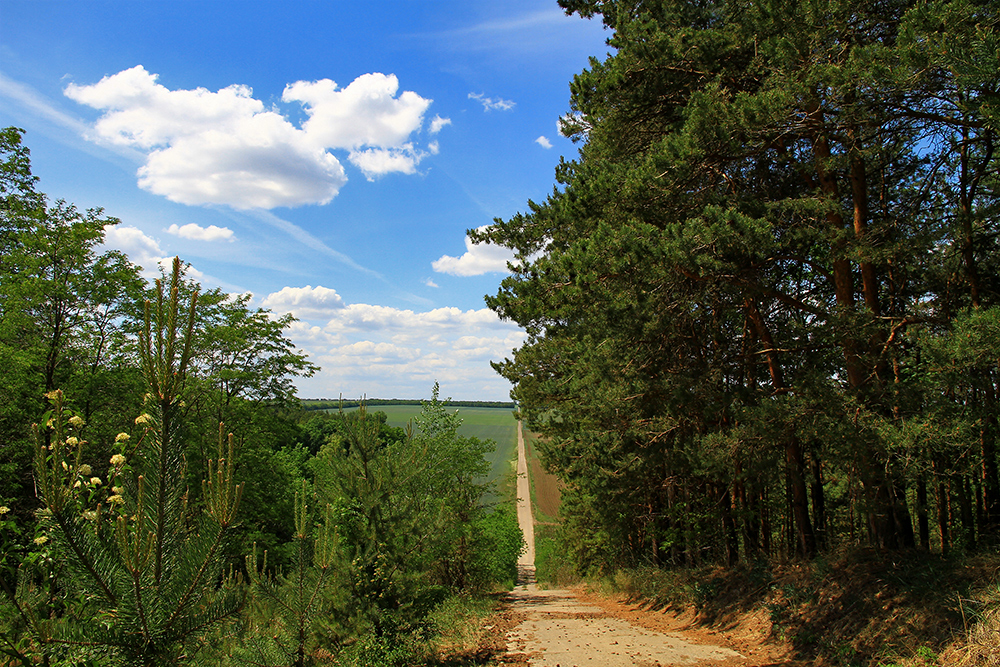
<point>164,498</point>
<point>762,303</point>
<point>763,317</point>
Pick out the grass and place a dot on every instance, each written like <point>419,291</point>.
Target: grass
<point>497,424</point>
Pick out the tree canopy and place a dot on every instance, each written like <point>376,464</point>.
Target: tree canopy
<point>732,295</point>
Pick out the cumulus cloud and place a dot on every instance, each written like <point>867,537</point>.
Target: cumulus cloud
<point>143,250</point>
<point>140,248</point>
<point>375,162</point>
<point>225,147</point>
<point>304,302</point>
<point>543,142</point>
<point>437,123</point>
<point>198,233</point>
<point>407,324</point>
<point>479,258</point>
<point>491,104</point>
<point>386,352</point>
<point>366,112</point>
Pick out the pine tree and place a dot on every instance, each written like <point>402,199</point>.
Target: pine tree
<point>145,572</point>
<point>283,628</point>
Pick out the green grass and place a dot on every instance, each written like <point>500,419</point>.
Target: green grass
<point>497,424</point>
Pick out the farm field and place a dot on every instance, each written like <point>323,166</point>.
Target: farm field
<point>497,424</point>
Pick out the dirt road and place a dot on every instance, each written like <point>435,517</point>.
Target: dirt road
<point>561,630</point>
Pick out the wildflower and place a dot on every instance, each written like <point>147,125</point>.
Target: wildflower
<point>77,484</point>
<point>143,419</point>
<point>53,395</point>
<point>76,421</point>
<point>72,442</point>
<point>85,470</point>
<point>96,481</point>
<point>4,509</point>
<point>117,460</point>
<point>40,540</point>
<point>116,489</point>
<point>115,499</point>
<point>122,437</point>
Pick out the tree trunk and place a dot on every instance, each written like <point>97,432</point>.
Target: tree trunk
<point>805,538</point>
<point>922,519</point>
<point>729,527</point>
<point>990,473</point>
<point>818,504</point>
<point>942,508</point>
<point>965,510</point>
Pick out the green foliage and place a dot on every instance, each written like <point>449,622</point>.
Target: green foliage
<point>140,575</point>
<point>742,298</point>
<point>410,519</point>
<point>496,544</point>
<point>62,309</point>
<point>284,624</point>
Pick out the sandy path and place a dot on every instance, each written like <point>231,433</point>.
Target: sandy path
<point>559,630</point>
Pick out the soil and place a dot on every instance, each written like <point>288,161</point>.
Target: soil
<point>545,486</point>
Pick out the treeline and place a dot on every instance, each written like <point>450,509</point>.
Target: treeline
<point>331,404</point>
<point>763,305</point>
<point>164,499</point>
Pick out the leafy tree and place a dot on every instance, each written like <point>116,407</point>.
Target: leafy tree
<point>63,306</point>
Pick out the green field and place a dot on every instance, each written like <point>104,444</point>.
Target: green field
<point>497,424</point>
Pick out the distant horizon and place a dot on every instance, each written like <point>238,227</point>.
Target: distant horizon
<point>412,401</point>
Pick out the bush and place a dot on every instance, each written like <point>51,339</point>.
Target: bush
<point>498,543</point>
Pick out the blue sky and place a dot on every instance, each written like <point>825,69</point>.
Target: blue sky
<point>327,157</point>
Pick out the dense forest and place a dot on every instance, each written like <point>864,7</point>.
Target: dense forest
<point>762,303</point>
<point>164,499</point>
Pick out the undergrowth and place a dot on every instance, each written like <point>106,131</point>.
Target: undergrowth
<point>849,609</point>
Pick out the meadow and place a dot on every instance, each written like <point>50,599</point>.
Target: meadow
<point>497,424</point>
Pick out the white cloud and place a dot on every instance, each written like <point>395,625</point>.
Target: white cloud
<point>490,104</point>
<point>430,283</point>
<point>478,259</point>
<point>366,113</point>
<point>304,302</point>
<point>225,147</point>
<point>144,251</point>
<point>141,249</point>
<point>543,142</point>
<point>390,352</point>
<point>198,233</point>
<point>437,123</point>
<point>376,162</point>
